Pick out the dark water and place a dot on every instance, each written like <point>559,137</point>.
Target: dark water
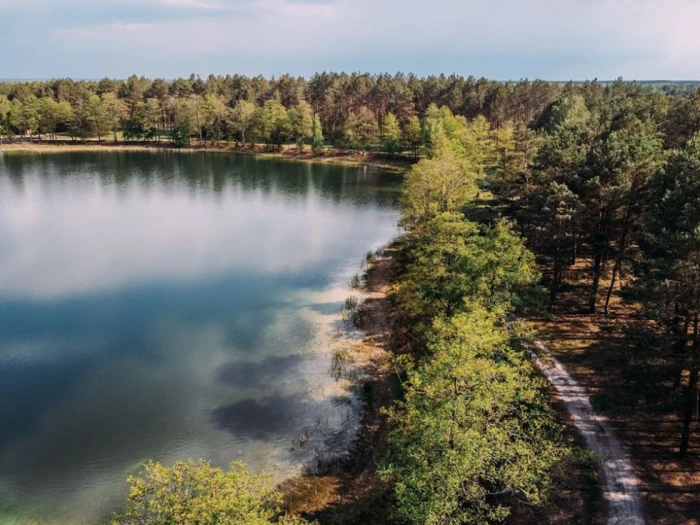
<point>170,306</point>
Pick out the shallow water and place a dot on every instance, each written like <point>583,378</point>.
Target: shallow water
<point>171,306</point>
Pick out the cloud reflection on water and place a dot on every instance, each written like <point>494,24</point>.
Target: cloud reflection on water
<point>169,306</point>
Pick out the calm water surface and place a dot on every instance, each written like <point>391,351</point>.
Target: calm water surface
<point>171,306</point>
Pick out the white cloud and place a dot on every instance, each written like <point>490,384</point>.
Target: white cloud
<point>294,8</point>
<point>95,245</point>
<point>130,28</point>
<point>560,38</point>
<point>194,4</point>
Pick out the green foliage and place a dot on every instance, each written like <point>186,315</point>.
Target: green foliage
<point>116,112</point>
<point>96,115</point>
<point>437,185</point>
<point>301,121</point>
<point>213,116</point>
<point>24,116</point>
<point>515,178</point>
<point>361,129</point>
<point>569,110</point>
<point>317,140</point>
<point>413,134</point>
<point>460,154</point>
<point>242,118</point>
<point>670,273</point>
<point>196,493</point>
<point>271,123</point>
<point>453,262</point>
<point>474,431</point>
<point>180,136</point>
<point>5,107</point>
<point>391,135</point>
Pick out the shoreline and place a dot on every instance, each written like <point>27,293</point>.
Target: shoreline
<point>351,492</point>
<point>330,156</point>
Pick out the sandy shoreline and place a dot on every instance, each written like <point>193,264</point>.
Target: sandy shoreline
<point>352,492</point>
<point>331,156</point>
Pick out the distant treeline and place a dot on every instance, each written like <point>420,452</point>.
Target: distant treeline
<point>357,111</point>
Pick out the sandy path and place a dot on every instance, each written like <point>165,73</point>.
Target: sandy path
<point>619,481</point>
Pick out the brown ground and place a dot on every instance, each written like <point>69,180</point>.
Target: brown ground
<point>616,360</point>
<point>352,493</point>
<point>334,156</point>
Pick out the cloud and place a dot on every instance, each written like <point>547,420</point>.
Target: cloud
<point>145,243</point>
<point>130,28</point>
<point>506,39</point>
<point>194,4</point>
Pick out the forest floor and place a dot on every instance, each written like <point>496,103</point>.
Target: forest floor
<point>615,361</point>
<point>329,155</point>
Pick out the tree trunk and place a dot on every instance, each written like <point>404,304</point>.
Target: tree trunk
<point>616,268</point>
<point>678,348</point>
<point>596,282</point>
<point>556,282</point>
<point>623,242</point>
<point>688,410</point>
<point>690,394</point>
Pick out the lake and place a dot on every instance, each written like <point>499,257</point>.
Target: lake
<point>172,305</point>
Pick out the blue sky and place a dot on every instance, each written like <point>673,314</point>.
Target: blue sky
<point>501,39</point>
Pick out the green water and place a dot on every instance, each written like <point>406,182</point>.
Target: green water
<point>171,306</point>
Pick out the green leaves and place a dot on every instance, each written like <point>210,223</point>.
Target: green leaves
<point>361,129</point>
<point>453,262</point>
<point>317,140</point>
<point>475,431</point>
<point>191,493</point>
<point>391,135</point>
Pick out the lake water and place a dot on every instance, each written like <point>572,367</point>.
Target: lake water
<point>171,306</point>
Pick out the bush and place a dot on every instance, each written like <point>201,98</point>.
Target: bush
<point>189,493</point>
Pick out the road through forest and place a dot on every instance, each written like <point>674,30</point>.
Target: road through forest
<point>619,481</point>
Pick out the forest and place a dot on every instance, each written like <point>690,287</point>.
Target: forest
<point>529,199</point>
<point>355,111</point>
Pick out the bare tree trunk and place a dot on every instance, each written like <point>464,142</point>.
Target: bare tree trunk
<point>623,242</point>
<point>690,394</point>
<point>556,282</point>
<point>616,268</point>
<point>596,283</point>
<point>688,410</point>
<point>678,347</point>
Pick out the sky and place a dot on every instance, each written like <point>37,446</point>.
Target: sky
<point>499,39</point>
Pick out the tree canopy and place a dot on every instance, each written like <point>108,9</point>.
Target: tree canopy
<point>190,493</point>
